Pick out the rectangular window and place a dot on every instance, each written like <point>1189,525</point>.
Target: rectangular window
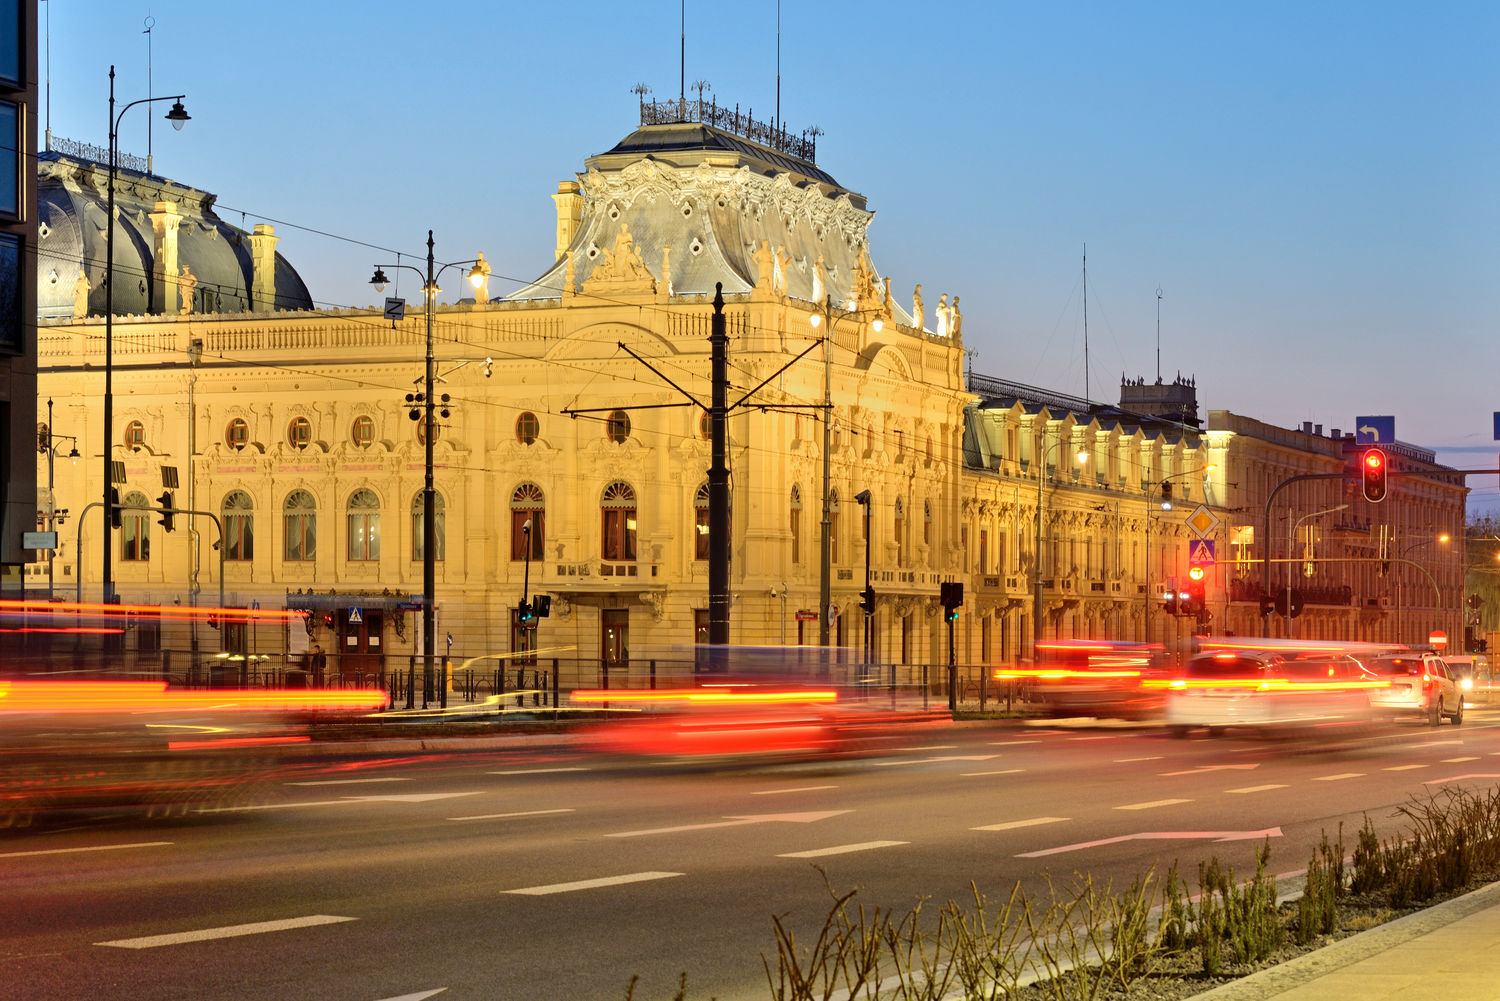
<point>619,533</point>
<point>12,27</point>
<point>135,537</point>
<point>11,277</point>
<point>239,537</point>
<point>518,519</point>
<point>364,537</point>
<point>301,537</point>
<point>10,162</point>
<point>984,550</point>
<point>796,535</point>
<point>700,533</point>
<point>439,531</point>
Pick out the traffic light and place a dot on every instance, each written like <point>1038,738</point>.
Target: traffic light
<point>867,600</point>
<point>1372,475</point>
<point>1268,605</point>
<point>525,613</point>
<point>168,503</point>
<point>1193,601</point>
<point>114,507</point>
<point>1172,599</point>
<point>541,607</point>
<point>951,594</point>
<point>1166,495</point>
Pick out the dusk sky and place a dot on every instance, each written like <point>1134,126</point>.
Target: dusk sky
<point>1310,185</point>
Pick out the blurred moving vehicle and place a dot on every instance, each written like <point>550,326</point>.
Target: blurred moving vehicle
<point>1099,678</point>
<point>1420,684</point>
<point>1269,689</point>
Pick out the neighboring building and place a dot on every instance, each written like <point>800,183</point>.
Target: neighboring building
<point>19,434</point>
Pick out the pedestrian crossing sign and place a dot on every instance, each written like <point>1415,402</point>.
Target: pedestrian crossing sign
<point>1200,551</point>
<point>356,617</point>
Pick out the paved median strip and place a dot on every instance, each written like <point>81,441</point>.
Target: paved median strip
<point>593,884</point>
<point>228,931</point>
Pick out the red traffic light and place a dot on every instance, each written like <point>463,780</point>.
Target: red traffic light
<point>1197,571</point>
<point>1373,469</point>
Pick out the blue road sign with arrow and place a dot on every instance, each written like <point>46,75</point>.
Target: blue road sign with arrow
<point>1374,430</point>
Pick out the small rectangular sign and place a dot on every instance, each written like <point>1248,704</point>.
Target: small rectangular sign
<point>395,309</point>
<point>39,540</point>
<point>806,615</point>
<point>1374,430</point>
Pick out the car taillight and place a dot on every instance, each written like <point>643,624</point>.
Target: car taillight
<point>1428,683</point>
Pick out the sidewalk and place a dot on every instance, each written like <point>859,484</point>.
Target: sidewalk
<point>1449,952</point>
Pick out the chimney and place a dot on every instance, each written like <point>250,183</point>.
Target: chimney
<point>1318,430</point>
<point>263,268</point>
<point>1306,425</point>
<point>164,222</point>
<point>569,212</point>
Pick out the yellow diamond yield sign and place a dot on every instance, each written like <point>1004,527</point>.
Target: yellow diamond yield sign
<point>1202,520</point>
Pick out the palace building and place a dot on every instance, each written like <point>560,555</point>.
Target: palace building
<point>572,447</point>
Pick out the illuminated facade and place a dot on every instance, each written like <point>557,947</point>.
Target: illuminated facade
<point>576,407</point>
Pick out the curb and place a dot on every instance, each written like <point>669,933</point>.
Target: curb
<point>1279,979</point>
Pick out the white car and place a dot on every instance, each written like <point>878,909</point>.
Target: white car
<point>1418,684</point>
<point>1265,689</point>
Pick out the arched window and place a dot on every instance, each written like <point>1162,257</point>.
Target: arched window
<point>437,430</point>
<point>617,428</point>
<point>898,530</point>
<point>299,519</point>
<point>364,526</point>
<point>833,526</point>
<point>795,518</point>
<point>135,528</point>
<point>527,506</point>
<point>135,434</point>
<point>927,523</point>
<point>439,527</point>
<point>239,526</point>
<point>617,510</point>
<point>299,432</point>
<point>362,431</point>
<point>700,523</point>
<point>705,426</point>
<point>237,434</point>
<point>526,428</point>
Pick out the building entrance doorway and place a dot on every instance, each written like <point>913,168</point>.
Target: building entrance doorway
<point>361,643</point>
<point>614,645</point>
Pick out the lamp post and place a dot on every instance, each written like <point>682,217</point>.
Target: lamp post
<point>1166,505</point>
<point>49,445</point>
<point>178,116</point>
<point>825,562</point>
<point>1289,540</point>
<point>429,433</point>
<point>1399,575</point>
<point>1036,585</point>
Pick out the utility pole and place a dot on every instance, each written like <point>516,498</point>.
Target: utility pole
<point>718,491</point>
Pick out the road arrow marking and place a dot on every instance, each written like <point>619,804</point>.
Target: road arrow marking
<point>785,818</point>
<point>1270,832</point>
<point>1204,769</point>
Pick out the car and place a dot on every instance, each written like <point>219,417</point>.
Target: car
<point>1098,678</point>
<point>1419,684</point>
<point>1266,689</point>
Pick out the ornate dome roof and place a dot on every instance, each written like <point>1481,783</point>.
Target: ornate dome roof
<point>72,197</point>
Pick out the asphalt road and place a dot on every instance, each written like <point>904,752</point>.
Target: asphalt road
<point>544,872</point>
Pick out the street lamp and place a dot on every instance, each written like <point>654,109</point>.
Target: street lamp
<point>429,428</point>
<point>825,562</point>
<point>1442,538</point>
<point>1289,560</point>
<point>48,442</point>
<point>1036,587</point>
<point>179,117</point>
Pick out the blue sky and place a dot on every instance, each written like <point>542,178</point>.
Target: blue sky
<point>1310,184</point>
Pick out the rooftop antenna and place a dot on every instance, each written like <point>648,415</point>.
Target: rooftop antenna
<point>1158,335</point>
<point>150,23</point>
<point>777,122</point>
<point>1085,325</point>
<point>682,75</point>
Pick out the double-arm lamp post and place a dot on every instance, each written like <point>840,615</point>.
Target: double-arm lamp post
<point>429,432</point>
<point>178,116</point>
<point>1290,541</point>
<point>825,544</point>
<point>1165,487</point>
<point>1037,622</point>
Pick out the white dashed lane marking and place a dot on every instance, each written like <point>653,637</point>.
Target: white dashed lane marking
<point>778,792</point>
<point>1339,777</point>
<point>91,848</point>
<point>522,813</point>
<point>1011,825</point>
<point>862,846</point>
<point>1249,789</point>
<point>592,884</point>
<point>228,931</point>
<point>1152,804</point>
